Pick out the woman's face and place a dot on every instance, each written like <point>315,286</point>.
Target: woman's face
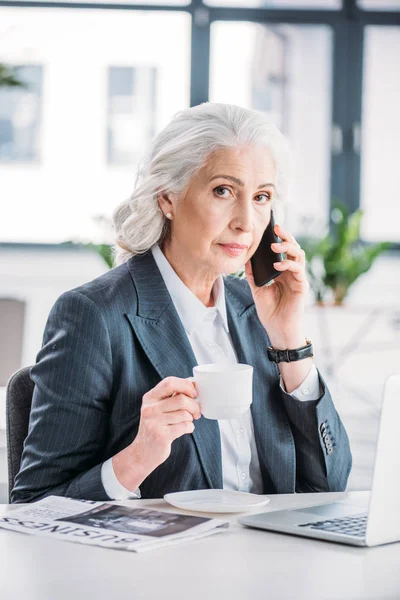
<point>219,222</point>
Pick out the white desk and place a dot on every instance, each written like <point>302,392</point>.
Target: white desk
<point>242,563</point>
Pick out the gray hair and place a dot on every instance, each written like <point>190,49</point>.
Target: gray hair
<point>178,152</point>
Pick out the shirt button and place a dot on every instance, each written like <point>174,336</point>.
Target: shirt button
<point>241,431</point>
<point>306,391</point>
<point>243,475</point>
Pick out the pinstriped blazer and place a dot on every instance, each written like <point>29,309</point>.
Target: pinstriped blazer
<point>106,344</point>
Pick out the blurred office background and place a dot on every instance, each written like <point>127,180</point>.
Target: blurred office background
<point>101,79</point>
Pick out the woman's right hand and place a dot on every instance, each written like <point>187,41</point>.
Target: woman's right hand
<point>167,413</point>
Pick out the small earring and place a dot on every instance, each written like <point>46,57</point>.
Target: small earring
<point>169,216</point>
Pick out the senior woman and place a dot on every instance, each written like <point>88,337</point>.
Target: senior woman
<point>113,413</point>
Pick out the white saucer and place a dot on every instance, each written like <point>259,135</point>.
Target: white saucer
<point>216,501</point>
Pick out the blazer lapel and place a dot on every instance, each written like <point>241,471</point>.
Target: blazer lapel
<point>163,338</point>
<point>273,435</point>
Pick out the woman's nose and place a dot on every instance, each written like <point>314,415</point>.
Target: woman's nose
<point>244,218</point>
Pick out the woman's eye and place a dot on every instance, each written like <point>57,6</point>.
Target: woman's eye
<point>222,191</point>
<point>263,198</point>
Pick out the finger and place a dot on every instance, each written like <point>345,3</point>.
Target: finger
<point>179,402</point>
<point>294,267</point>
<point>289,265</point>
<point>172,385</point>
<point>290,249</point>
<point>285,235</point>
<point>175,431</point>
<point>178,416</point>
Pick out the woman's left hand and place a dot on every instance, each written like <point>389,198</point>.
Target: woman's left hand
<point>280,306</point>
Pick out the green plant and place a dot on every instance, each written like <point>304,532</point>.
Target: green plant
<point>338,259</point>
<point>105,251</point>
<point>8,78</point>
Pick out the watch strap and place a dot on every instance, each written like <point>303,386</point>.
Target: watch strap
<point>278,356</point>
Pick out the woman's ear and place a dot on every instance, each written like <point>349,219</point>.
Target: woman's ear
<point>167,201</point>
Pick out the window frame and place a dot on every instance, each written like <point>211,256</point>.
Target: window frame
<point>36,158</point>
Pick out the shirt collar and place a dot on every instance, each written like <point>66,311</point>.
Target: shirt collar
<point>190,309</point>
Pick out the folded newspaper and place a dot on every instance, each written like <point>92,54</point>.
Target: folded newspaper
<point>108,525</point>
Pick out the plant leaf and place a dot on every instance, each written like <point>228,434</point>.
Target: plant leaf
<point>8,78</point>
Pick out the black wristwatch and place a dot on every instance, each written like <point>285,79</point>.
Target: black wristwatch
<point>278,356</point>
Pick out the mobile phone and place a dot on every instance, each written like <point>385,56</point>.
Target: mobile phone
<point>264,257</point>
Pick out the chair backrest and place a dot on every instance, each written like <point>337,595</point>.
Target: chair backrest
<point>12,316</point>
<point>18,407</point>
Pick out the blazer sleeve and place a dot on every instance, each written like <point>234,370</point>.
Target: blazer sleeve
<point>70,407</point>
<point>323,457</point>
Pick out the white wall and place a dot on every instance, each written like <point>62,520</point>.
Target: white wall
<point>38,276</point>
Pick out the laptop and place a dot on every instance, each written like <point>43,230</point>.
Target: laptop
<point>343,521</point>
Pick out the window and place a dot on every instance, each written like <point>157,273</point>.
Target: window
<point>143,2</point>
<point>381,134</point>
<point>106,71</point>
<point>20,115</point>
<point>131,112</point>
<point>285,71</point>
<point>379,4</point>
<point>269,86</point>
<point>297,4</point>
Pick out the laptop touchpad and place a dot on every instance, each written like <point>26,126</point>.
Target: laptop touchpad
<point>331,510</point>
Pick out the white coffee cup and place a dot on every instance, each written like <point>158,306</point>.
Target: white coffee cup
<point>224,391</point>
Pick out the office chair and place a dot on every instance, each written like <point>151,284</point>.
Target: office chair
<point>18,408</point>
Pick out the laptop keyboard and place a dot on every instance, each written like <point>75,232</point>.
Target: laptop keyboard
<point>355,526</point>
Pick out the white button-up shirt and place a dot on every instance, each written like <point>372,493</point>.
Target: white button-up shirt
<point>208,334</point>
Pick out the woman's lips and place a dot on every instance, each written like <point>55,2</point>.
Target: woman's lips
<point>234,249</point>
